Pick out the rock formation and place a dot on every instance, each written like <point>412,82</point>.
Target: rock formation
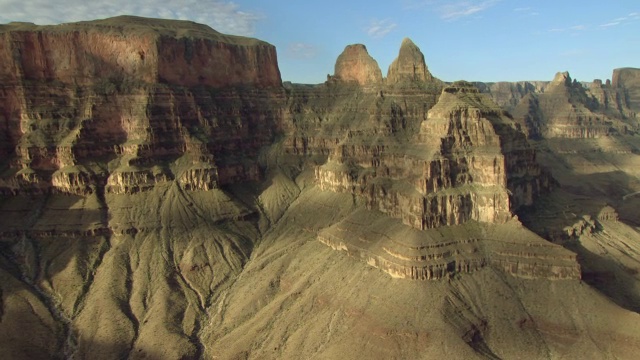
<point>137,94</point>
<point>509,94</point>
<point>466,158</point>
<point>409,66</point>
<point>565,109</point>
<point>356,65</point>
<point>627,80</point>
<point>164,195</point>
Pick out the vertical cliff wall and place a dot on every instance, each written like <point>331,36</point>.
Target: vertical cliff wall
<point>138,95</point>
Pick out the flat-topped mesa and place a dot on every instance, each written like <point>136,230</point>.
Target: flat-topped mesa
<point>108,104</point>
<point>623,77</point>
<point>149,50</point>
<point>409,66</point>
<point>356,65</point>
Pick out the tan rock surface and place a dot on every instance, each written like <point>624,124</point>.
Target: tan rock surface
<point>157,217</point>
<point>409,66</point>
<point>356,65</point>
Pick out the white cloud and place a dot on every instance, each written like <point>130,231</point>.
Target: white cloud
<point>300,50</point>
<point>458,9</point>
<point>610,24</point>
<point>380,28</point>
<point>450,10</point>
<point>522,9</point>
<point>223,16</point>
<point>556,30</point>
<point>578,28</point>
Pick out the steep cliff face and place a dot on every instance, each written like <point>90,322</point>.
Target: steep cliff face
<point>117,137</point>
<point>509,94</point>
<point>114,104</point>
<point>627,81</point>
<point>163,196</point>
<point>179,53</point>
<point>566,109</point>
<point>460,166</point>
<point>409,66</point>
<point>356,65</point>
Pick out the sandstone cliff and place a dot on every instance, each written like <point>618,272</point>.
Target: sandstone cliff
<point>409,66</point>
<point>356,65</point>
<point>163,196</point>
<point>460,166</point>
<point>627,80</point>
<point>565,109</point>
<point>137,94</point>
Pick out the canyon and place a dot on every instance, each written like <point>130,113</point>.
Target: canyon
<point>164,194</point>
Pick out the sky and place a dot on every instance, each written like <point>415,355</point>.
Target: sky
<point>474,40</point>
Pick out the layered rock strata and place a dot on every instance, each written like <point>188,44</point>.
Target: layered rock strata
<point>356,65</point>
<point>123,104</point>
<point>409,66</point>
<point>564,110</point>
<point>626,81</point>
<point>468,161</point>
<point>439,253</point>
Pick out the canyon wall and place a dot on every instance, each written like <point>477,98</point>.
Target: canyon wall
<point>125,103</point>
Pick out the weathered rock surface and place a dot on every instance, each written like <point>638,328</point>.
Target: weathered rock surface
<point>356,65</point>
<point>409,66</point>
<point>566,110</point>
<point>125,103</point>
<point>466,159</point>
<point>509,94</point>
<point>627,80</point>
<point>162,195</point>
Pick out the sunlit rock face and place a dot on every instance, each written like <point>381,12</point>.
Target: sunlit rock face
<point>125,103</point>
<point>163,195</point>
<point>409,66</point>
<point>356,65</point>
<point>566,108</point>
<point>468,161</point>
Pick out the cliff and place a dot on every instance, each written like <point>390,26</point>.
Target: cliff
<point>409,66</point>
<point>465,159</point>
<point>163,195</point>
<point>566,109</point>
<point>114,104</point>
<point>627,80</point>
<point>356,65</point>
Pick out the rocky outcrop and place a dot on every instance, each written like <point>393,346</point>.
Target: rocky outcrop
<point>444,252</point>
<point>126,47</point>
<point>627,82</point>
<point>409,66</point>
<point>356,65</point>
<point>509,94</point>
<point>565,110</point>
<point>468,161</point>
<point>126,103</point>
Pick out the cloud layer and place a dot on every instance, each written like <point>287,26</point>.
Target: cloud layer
<point>380,28</point>
<point>224,16</point>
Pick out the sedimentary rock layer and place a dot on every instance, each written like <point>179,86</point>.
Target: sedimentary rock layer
<point>126,103</point>
<point>468,161</point>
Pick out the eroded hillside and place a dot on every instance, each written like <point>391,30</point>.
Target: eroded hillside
<point>163,195</point>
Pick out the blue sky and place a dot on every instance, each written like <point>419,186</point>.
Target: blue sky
<point>476,40</point>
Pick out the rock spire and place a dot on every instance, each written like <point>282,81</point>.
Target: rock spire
<point>409,65</point>
<point>356,65</point>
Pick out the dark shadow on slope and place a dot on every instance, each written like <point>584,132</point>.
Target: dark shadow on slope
<point>572,211</point>
<point>609,277</point>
